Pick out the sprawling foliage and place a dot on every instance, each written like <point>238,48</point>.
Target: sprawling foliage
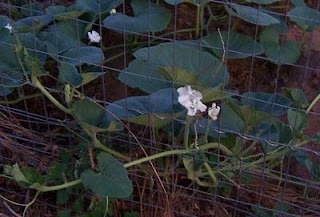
<point>58,35</point>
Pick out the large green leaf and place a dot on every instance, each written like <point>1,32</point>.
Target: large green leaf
<point>60,12</point>
<point>148,17</point>
<point>5,91</point>
<point>263,2</point>
<point>239,118</point>
<point>174,2</point>
<point>239,45</point>
<point>34,46</point>
<point>251,15</point>
<point>9,57</point>
<point>10,77</point>
<point>298,3</point>
<point>287,53</point>
<point>275,104</point>
<point>146,110</point>
<point>141,75</point>
<point>91,115</point>
<point>97,6</point>
<point>31,9</point>
<point>83,55</point>
<point>307,18</point>
<point>297,119</point>
<point>64,35</point>
<point>32,24</point>
<point>195,2</point>
<point>297,96</point>
<point>112,179</point>
<point>184,65</point>
<point>69,74</point>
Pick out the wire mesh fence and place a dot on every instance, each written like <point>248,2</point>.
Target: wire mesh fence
<point>137,80</point>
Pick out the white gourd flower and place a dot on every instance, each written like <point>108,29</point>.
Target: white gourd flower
<point>113,11</point>
<point>191,100</point>
<point>94,36</point>
<point>214,111</point>
<point>9,27</point>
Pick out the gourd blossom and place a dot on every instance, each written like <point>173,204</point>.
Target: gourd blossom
<point>9,27</point>
<point>113,11</point>
<point>94,36</point>
<point>191,100</point>
<point>214,111</point>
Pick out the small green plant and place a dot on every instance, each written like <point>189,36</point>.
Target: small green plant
<point>179,80</point>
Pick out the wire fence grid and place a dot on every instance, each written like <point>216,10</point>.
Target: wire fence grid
<point>35,134</point>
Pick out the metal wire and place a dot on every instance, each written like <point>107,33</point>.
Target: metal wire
<point>59,131</point>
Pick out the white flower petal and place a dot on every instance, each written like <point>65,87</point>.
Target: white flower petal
<point>113,11</point>
<point>94,36</point>
<point>214,111</point>
<point>190,99</point>
<point>9,27</point>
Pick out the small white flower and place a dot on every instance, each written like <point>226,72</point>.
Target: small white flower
<point>94,36</point>
<point>214,111</point>
<point>113,11</point>
<point>9,27</point>
<point>191,100</point>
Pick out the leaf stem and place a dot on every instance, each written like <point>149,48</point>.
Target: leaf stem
<point>314,101</point>
<point>186,132</point>
<point>133,163</point>
<point>19,99</point>
<point>37,84</point>
<point>59,187</point>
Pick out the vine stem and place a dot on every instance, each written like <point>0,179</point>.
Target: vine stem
<point>136,162</point>
<point>314,101</point>
<point>186,132</point>
<point>15,101</point>
<point>37,84</point>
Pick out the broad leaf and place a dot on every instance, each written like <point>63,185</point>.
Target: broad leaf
<point>31,24</point>
<point>275,104</point>
<point>239,45</point>
<point>148,17</point>
<point>97,6</point>
<point>307,18</point>
<point>10,77</point>
<point>174,2</point>
<point>60,12</point>
<point>4,91</point>
<point>298,3</point>
<point>112,179</point>
<point>251,15</point>
<point>31,9</point>
<point>84,55</point>
<point>195,2</point>
<point>286,53</point>
<point>263,2</point>
<point>182,64</point>
<point>141,75</point>
<point>34,46</point>
<point>297,119</point>
<point>69,74</point>
<point>297,96</point>
<point>92,115</point>
<point>64,35</point>
<point>240,118</point>
<point>146,110</point>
